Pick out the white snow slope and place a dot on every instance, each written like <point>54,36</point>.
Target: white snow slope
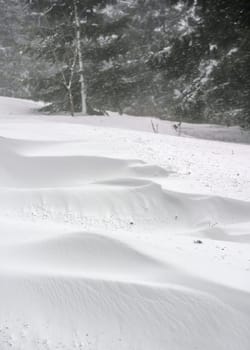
<point>97,237</point>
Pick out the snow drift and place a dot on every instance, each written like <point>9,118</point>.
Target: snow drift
<point>97,252</point>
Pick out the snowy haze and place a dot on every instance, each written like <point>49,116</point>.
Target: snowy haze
<point>99,222</point>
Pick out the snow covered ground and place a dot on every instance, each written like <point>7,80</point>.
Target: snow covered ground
<point>98,224</point>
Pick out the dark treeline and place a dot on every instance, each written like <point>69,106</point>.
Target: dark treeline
<point>186,60</point>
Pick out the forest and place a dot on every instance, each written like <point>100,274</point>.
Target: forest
<point>179,60</point>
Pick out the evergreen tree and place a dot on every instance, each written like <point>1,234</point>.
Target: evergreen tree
<point>74,39</point>
<point>226,28</point>
<point>13,63</point>
<point>161,29</point>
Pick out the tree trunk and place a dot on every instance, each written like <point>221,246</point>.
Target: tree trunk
<point>71,103</point>
<point>78,43</point>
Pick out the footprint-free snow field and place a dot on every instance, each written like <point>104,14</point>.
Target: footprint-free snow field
<point>115,238</point>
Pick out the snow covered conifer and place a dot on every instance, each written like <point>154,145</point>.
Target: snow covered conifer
<point>75,40</point>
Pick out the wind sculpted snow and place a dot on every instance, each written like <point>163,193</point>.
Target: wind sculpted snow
<point>105,242</point>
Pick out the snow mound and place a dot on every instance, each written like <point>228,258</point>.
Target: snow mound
<point>138,205</point>
<point>101,291</point>
<point>18,170</point>
<point>83,254</point>
<point>110,314</point>
<point>16,107</point>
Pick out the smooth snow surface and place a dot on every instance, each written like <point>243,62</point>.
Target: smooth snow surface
<point>100,230</point>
